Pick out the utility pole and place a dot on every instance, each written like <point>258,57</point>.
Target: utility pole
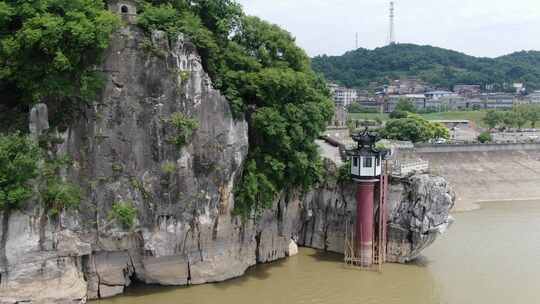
<point>356,41</point>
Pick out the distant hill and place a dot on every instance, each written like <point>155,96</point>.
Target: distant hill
<point>440,67</point>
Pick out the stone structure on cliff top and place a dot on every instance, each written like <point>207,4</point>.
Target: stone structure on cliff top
<point>184,231</point>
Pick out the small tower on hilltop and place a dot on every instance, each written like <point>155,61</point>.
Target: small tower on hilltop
<point>127,9</point>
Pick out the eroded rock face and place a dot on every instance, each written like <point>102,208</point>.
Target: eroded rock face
<point>184,231</point>
<point>421,215</point>
<point>327,210</point>
<point>35,271</point>
<point>419,208</point>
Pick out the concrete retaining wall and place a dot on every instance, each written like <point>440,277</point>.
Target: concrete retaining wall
<point>504,173</point>
<point>476,148</point>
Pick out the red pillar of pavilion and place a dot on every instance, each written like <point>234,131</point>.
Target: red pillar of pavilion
<point>365,220</point>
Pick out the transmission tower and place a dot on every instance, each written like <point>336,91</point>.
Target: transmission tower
<point>391,34</point>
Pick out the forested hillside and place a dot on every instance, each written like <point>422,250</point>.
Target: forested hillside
<point>440,67</point>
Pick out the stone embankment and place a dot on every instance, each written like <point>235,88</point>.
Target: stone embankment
<point>184,230</point>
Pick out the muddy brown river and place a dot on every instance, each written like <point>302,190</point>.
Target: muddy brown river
<point>489,256</point>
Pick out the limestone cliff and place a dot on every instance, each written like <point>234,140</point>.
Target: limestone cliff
<point>184,231</point>
<point>420,216</point>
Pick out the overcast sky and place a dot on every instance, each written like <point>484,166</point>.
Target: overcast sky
<point>477,27</point>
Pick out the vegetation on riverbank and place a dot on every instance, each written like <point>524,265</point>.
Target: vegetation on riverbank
<point>519,117</point>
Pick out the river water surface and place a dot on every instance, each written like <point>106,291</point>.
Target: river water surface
<point>489,256</point>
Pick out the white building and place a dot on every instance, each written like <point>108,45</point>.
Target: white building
<point>519,87</point>
<point>436,95</point>
<point>343,96</point>
<point>498,100</point>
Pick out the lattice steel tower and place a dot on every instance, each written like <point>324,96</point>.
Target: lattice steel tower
<point>392,34</point>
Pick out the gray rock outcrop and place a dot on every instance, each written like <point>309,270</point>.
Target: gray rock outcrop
<point>420,216</point>
<point>419,208</point>
<point>123,150</point>
<point>39,120</point>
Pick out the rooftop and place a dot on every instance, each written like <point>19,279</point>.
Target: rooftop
<point>440,92</point>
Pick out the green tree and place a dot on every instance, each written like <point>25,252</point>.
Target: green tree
<point>185,127</point>
<point>521,114</point>
<point>439,131</point>
<point>405,105</point>
<point>56,194</point>
<point>288,106</point>
<point>508,119</point>
<point>19,158</point>
<point>485,137</point>
<point>398,114</point>
<point>22,161</point>
<point>414,128</point>
<point>493,118</point>
<point>59,196</point>
<point>49,50</point>
<point>533,115</point>
<point>515,118</point>
<point>124,213</point>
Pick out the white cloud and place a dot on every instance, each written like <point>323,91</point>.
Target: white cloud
<point>477,27</point>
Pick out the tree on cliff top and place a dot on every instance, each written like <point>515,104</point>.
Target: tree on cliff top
<point>268,81</point>
<point>287,107</point>
<point>49,49</point>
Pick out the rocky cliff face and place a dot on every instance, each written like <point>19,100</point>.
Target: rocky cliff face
<point>123,150</point>
<point>419,208</point>
<point>419,217</point>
